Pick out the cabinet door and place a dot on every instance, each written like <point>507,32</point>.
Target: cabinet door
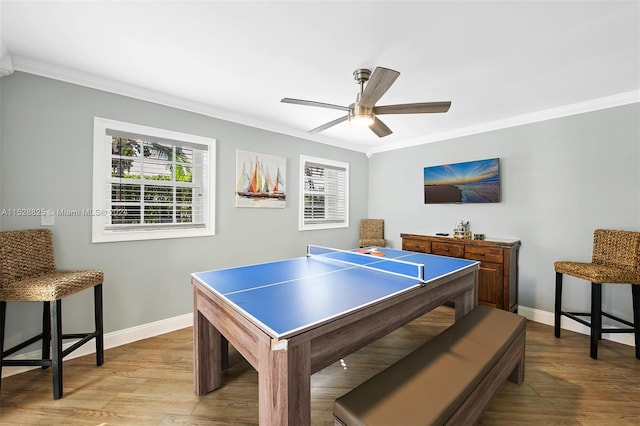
<point>490,285</point>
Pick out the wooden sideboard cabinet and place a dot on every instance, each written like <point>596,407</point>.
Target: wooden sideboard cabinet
<point>498,275</point>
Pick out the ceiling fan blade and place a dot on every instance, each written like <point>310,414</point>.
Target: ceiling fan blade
<point>378,84</point>
<point>329,124</point>
<point>379,128</point>
<point>417,108</point>
<point>314,103</point>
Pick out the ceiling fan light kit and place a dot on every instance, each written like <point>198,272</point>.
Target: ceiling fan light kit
<point>363,111</point>
<point>361,116</point>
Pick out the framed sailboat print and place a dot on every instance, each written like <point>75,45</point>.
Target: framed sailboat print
<point>260,180</point>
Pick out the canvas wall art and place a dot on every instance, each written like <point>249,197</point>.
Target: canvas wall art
<point>260,180</point>
<point>470,182</point>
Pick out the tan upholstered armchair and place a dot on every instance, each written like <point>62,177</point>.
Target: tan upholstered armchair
<point>615,260</point>
<point>28,274</point>
<point>372,233</point>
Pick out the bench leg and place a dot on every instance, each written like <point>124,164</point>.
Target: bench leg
<point>517,375</point>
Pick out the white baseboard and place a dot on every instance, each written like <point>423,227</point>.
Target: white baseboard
<point>111,340</point>
<point>545,317</point>
<point>145,331</point>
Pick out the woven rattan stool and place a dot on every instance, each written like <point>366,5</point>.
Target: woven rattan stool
<point>28,274</point>
<point>372,233</point>
<point>615,260</point>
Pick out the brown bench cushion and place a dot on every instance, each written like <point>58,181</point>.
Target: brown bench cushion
<point>428,385</point>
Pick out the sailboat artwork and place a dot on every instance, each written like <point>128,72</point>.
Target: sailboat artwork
<point>260,180</point>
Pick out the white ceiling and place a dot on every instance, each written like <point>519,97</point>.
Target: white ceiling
<point>500,62</point>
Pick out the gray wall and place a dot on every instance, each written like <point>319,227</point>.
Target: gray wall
<point>561,179</point>
<point>46,145</point>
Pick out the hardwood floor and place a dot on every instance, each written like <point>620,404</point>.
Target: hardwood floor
<point>150,383</point>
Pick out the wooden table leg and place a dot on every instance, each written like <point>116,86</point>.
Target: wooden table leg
<point>207,355</point>
<point>468,300</point>
<point>284,385</point>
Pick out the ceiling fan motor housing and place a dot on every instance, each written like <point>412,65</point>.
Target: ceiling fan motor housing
<point>361,75</point>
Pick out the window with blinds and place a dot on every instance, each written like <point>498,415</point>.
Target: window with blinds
<point>151,183</point>
<point>324,193</point>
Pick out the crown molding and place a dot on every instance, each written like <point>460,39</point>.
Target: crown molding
<point>100,83</point>
<point>620,99</point>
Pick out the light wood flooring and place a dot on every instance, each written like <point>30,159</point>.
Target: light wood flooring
<point>150,383</point>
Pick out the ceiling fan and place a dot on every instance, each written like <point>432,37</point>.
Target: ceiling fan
<point>364,111</point>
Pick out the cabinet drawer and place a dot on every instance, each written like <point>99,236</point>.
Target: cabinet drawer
<point>447,249</point>
<point>417,245</point>
<point>486,254</point>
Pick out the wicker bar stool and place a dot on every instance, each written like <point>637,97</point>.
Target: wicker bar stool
<point>615,260</point>
<point>372,233</point>
<point>28,274</point>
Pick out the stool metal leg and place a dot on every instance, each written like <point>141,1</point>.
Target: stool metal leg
<point>46,333</point>
<point>558,304</point>
<point>3,316</point>
<point>596,318</point>
<point>97,306</point>
<point>635,292</point>
<point>56,346</point>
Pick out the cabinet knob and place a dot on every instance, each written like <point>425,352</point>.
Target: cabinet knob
<point>447,249</point>
<point>481,253</point>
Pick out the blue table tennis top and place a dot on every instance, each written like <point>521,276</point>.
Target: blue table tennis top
<point>289,296</point>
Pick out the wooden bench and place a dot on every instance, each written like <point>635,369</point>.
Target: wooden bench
<point>451,379</point>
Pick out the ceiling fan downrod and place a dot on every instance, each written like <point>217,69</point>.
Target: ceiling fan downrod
<point>361,76</point>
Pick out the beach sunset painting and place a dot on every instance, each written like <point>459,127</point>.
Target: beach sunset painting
<point>470,182</point>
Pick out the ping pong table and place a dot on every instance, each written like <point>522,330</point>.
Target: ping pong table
<point>294,317</point>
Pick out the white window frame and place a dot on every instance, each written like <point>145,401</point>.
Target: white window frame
<point>305,224</point>
<point>101,232</point>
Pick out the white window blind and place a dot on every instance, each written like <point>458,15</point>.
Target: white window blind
<point>324,193</point>
<point>153,184</point>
